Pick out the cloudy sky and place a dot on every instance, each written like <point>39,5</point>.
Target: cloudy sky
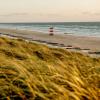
<point>49,10</point>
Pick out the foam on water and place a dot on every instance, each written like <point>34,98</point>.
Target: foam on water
<point>75,28</point>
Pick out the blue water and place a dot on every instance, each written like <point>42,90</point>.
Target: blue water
<point>74,28</point>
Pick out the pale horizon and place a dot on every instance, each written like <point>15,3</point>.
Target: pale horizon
<point>49,11</point>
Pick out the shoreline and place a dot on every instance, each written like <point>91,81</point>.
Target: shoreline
<point>32,31</point>
<point>82,44</point>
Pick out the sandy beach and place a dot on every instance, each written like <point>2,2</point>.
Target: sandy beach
<point>70,42</point>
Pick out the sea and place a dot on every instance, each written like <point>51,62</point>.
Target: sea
<point>73,28</point>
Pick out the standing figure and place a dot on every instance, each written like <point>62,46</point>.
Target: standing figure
<point>51,31</point>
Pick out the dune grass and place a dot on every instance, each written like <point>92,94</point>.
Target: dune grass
<point>32,71</point>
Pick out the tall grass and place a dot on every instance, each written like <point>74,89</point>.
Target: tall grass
<point>32,71</point>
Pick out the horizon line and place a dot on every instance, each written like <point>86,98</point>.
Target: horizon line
<point>52,22</point>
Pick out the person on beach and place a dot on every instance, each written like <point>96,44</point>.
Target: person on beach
<point>51,31</point>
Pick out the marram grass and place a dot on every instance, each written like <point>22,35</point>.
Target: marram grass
<point>32,71</point>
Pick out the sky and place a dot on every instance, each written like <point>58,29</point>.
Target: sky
<point>49,10</point>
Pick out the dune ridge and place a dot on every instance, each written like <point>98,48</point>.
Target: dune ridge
<point>32,71</point>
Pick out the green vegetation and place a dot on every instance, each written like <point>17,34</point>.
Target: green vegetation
<point>32,71</point>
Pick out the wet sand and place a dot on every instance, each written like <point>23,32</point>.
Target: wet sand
<point>90,45</point>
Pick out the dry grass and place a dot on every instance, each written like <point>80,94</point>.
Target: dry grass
<point>30,71</point>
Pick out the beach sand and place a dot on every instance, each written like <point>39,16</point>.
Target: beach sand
<point>70,42</point>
